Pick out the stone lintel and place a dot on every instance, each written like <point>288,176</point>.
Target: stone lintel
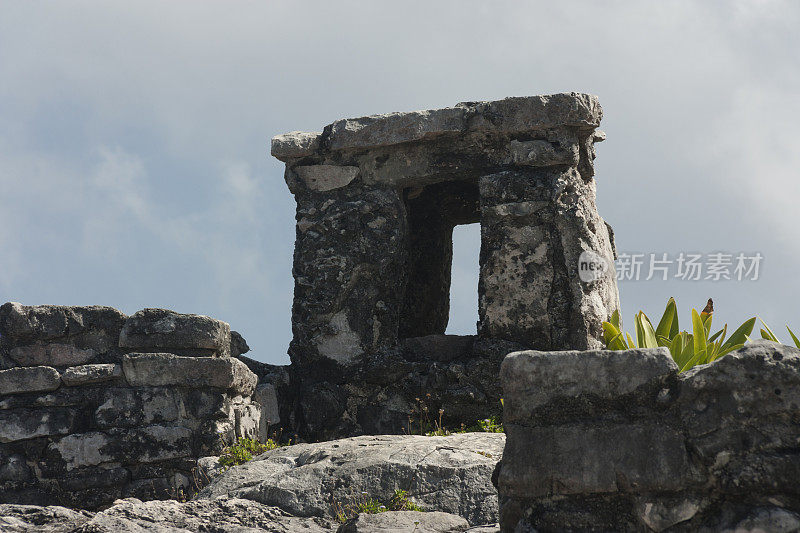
<point>510,116</point>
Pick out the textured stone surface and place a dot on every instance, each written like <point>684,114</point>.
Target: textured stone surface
<point>85,434</point>
<point>30,379</point>
<point>22,424</point>
<point>509,116</point>
<point>377,200</point>
<point>89,374</point>
<point>155,369</point>
<point>458,375</point>
<point>620,441</point>
<point>133,516</point>
<point>533,380</point>
<point>416,521</point>
<point>450,474</point>
<point>159,330</point>
<point>55,335</point>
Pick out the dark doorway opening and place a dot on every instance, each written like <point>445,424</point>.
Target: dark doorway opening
<point>432,213</point>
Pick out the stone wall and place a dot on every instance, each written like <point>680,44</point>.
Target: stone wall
<point>96,405</point>
<point>377,200</point>
<point>619,441</point>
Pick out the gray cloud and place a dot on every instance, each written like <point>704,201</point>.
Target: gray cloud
<point>133,139</point>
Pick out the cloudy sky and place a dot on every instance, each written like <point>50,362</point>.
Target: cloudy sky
<point>134,161</point>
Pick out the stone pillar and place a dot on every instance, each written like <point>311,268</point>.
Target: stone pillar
<point>349,270</point>
<point>537,220</point>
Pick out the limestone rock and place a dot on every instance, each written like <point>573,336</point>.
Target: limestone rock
<point>326,177</point>
<point>621,441</point>
<point>29,379</point>
<point>22,424</point>
<point>509,116</point>
<point>159,369</point>
<point>159,330</point>
<point>32,518</point>
<point>531,380</point>
<point>51,354</point>
<point>134,516</point>
<point>58,335</point>
<point>89,374</point>
<point>404,521</point>
<point>266,396</point>
<point>449,474</point>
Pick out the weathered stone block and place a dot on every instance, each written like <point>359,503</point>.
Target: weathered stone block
<point>266,397</point>
<point>549,461</point>
<point>157,330</point>
<point>30,379</point>
<point>532,380</point>
<point>89,374</point>
<point>323,178</point>
<point>21,424</point>
<point>160,369</point>
<point>248,419</point>
<point>51,354</point>
<point>124,407</point>
<point>76,333</point>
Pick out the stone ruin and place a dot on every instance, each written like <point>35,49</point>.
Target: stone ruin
<point>377,200</point>
<point>96,405</point>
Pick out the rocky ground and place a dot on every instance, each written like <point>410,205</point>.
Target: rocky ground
<point>303,487</point>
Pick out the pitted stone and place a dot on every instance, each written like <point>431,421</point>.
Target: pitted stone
<point>159,369</point>
<point>89,374</point>
<point>509,116</point>
<point>29,379</point>
<point>163,330</point>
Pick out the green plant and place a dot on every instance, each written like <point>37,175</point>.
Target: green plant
<point>766,333</point>
<point>243,451</point>
<point>366,505</point>
<point>687,349</point>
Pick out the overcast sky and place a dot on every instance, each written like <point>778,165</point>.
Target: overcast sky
<point>135,169</point>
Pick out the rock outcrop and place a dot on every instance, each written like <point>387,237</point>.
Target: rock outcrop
<point>303,487</point>
<point>619,441</point>
<point>450,474</point>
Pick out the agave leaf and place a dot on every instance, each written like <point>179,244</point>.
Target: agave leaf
<point>696,359</point>
<point>742,333</point>
<point>768,333</point>
<point>716,335</point>
<point>794,338</point>
<point>707,318</point>
<point>698,335</point>
<point>675,347</point>
<point>729,349</point>
<point>615,318</point>
<point>688,349</point>
<point>609,332</point>
<point>648,334</point>
<point>664,327</point>
<point>631,344</point>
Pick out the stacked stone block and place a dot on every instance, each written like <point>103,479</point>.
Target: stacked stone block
<point>619,441</point>
<point>96,405</point>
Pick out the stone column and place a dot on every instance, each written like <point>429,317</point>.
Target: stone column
<point>538,221</point>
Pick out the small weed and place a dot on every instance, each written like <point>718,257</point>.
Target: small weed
<point>243,451</point>
<point>366,505</point>
<point>421,423</point>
